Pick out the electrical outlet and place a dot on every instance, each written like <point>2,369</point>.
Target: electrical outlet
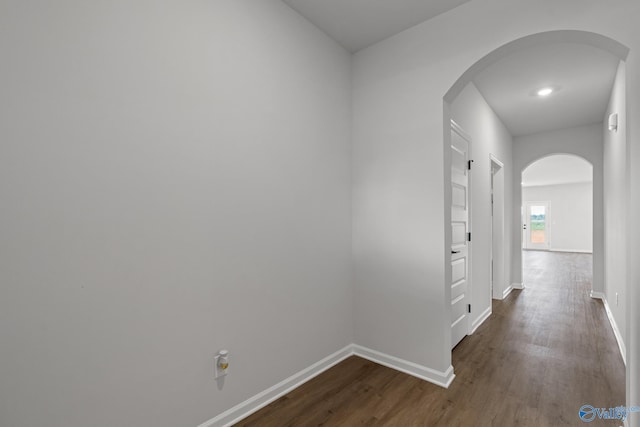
<point>221,361</point>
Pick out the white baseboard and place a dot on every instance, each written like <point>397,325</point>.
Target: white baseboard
<point>575,251</point>
<point>480,320</point>
<point>616,331</point>
<point>269,395</point>
<point>612,321</point>
<point>507,291</point>
<point>262,399</point>
<point>517,286</point>
<point>443,379</point>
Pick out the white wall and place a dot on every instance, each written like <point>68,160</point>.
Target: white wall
<point>174,179</point>
<point>615,204</point>
<point>109,223</point>
<point>583,141</point>
<point>398,175</point>
<point>570,218</point>
<point>488,136</point>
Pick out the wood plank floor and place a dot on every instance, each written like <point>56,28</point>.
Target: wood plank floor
<point>545,352</point>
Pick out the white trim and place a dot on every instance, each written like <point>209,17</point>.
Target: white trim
<point>616,331</point>
<point>497,202</point>
<point>517,286</point>
<point>262,399</point>
<point>590,181</point>
<point>480,320</point>
<point>461,297</point>
<point>459,319</point>
<point>507,291</point>
<point>443,379</point>
<point>612,321</point>
<point>269,395</point>
<point>456,127</point>
<point>495,160</point>
<point>575,251</point>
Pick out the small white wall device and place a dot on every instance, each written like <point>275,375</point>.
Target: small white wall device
<point>222,363</point>
<point>613,122</point>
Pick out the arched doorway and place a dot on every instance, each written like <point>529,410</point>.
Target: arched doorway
<point>557,224</point>
<point>516,158</point>
<point>557,204</point>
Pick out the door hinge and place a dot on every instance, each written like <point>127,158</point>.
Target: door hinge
<point>468,236</point>
<point>469,164</point>
<point>469,308</point>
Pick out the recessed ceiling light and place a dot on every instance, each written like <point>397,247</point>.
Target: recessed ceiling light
<point>546,91</point>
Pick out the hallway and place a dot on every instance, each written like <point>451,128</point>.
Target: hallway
<point>545,352</point>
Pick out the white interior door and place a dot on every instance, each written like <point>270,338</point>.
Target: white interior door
<point>460,259</point>
<point>536,225</point>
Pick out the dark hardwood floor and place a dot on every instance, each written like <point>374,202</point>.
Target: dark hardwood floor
<point>545,352</point>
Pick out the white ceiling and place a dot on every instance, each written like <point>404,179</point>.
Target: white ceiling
<point>583,74</point>
<point>356,24</point>
<point>557,169</point>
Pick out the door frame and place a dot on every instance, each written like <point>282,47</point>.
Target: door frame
<point>498,241</point>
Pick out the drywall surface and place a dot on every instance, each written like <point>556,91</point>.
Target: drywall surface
<point>398,175</point>
<point>570,217</point>
<point>615,203</point>
<point>175,180</point>
<point>489,137</point>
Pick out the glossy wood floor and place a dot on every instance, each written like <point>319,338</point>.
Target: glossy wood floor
<point>545,352</point>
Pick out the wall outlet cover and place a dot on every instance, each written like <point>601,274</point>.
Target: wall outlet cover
<point>218,371</point>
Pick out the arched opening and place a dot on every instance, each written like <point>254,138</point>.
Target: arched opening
<point>561,36</point>
<point>557,218</point>
<point>489,137</point>
<point>557,204</point>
